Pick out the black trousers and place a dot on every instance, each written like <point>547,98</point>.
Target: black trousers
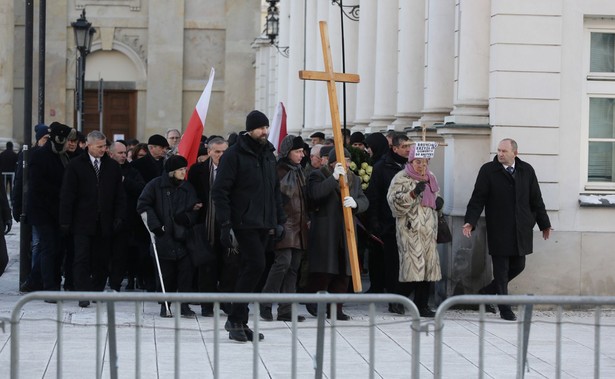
<point>252,246</point>
<point>391,264</point>
<point>177,274</point>
<point>90,262</point>
<point>505,269</point>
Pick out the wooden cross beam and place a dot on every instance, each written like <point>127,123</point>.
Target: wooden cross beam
<point>331,78</point>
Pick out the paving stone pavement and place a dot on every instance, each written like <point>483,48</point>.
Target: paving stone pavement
<point>393,343</point>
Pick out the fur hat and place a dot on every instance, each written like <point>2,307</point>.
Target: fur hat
<point>40,130</point>
<point>158,140</point>
<point>175,162</point>
<point>333,158</point>
<point>255,120</point>
<point>288,144</point>
<point>60,133</point>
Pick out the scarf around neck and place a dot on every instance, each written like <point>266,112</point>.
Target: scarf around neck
<point>431,188</point>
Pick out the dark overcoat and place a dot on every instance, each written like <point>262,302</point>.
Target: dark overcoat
<point>86,200</point>
<point>162,201</point>
<point>148,167</point>
<point>246,191</point>
<point>45,175</point>
<point>381,219</point>
<point>513,205</point>
<point>293,188</point>
<point>327,236</point>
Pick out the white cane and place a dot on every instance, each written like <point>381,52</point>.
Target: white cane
<point>151,235</point>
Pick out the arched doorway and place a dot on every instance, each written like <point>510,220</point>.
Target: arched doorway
<point>110,104</point>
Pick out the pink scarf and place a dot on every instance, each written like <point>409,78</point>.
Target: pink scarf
<point>431,187</point>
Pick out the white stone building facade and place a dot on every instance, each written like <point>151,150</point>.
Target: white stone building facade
<point>474,72</point>
<point>155,55</point>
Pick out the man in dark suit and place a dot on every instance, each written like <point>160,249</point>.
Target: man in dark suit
<point>92,204</point>
<point>508,190</point>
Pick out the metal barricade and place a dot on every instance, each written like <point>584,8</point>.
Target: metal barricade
<point>109,300</point>
<point>526,303</point>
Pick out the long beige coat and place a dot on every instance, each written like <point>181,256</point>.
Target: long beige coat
<point>416,231</point>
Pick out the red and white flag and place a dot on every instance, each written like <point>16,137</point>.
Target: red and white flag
<point>191,140</point>
<point>277,129</point>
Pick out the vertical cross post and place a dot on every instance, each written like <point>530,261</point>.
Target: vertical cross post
<point>331,78</point>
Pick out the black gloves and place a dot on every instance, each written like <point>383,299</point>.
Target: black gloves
<point>8,224</point>
<point>117,224</point>
<point>16,215</point>
<point>280,232</point>
<point>225,235</point>
<point>420,187</point>
<point>158,232</point>
<point>439,203</point>
<point>182,219</point>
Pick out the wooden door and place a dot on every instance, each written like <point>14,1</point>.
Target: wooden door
<point>119,113</point>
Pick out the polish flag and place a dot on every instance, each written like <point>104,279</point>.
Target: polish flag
<point>277,129</point>
<point>191,140</point>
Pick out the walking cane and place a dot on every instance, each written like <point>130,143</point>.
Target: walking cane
<point>151,235</point>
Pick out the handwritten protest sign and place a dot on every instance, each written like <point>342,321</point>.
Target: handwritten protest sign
<point>425,149</point>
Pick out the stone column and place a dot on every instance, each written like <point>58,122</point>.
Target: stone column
<point>281,63</point>
<point>322,119</point>
<point>366,62</point>
<point>295,100</point>
<point>411,63</point>
<point>438,95</point>
<point>385,89</point>
<point>7,33</point>
<point>313,62</point>
<point>472,92</point>
<point>165,60</point>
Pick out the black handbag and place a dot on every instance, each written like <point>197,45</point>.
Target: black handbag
<point>198,246</point>
<point>444,232</point>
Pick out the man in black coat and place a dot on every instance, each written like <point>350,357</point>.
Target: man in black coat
<point>221,274</point>
<point>382,222</point>
<point>508,190</point>
<point>44,182</point>
<point>247,197</point>
<point>125,256</point>
<point>151,165</point>
<point>92,204</point>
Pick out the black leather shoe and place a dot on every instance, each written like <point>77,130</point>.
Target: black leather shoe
<point>29,287</point>
<point>312,309</point>
<point>489,308</point>
<point>507,314</point>
<point>426,312</point>
<point>235,331</point>
<point>341,316</point>
<point>397,308</point>
<point>266,313</point>
<point>186,311</point>
<point>289,317</point>
<point>84,303</point>
<point>250,334</point>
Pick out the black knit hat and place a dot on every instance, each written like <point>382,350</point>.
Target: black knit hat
<point>175,162</point>
<point>255,120</point>
<point>288,144</point>
<point>41,130</point>
<point>357,137</point>
<point>158,140</point>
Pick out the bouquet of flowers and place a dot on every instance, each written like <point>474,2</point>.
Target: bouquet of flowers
<point>360,165</point>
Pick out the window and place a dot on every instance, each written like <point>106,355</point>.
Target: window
<point>600,111</point>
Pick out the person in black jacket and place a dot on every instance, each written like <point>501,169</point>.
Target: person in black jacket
<point>247,198</point>
<point>7,222</point>
<point>384,267</point>
<point>221,274</point>
<point>508,190</point>
<point>171,206</point>
<point>151,165</point>
<point>124,255</point>
<point>92,207</point>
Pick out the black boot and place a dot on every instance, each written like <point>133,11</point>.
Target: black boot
<point>163,311</point>
<point>235,331</point>
<point>186,311</point>
<point>250,334</point>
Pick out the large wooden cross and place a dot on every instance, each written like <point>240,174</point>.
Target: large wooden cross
<point>331,78</point>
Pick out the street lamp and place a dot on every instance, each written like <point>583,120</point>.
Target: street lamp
<point>84,33</point>
<point>272,26</point>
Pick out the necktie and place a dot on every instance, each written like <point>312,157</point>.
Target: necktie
<point>510,169</point>
<point>96,168</point>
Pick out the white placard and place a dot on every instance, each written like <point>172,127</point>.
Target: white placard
<point>425,149</point>
<point>118,137</point>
